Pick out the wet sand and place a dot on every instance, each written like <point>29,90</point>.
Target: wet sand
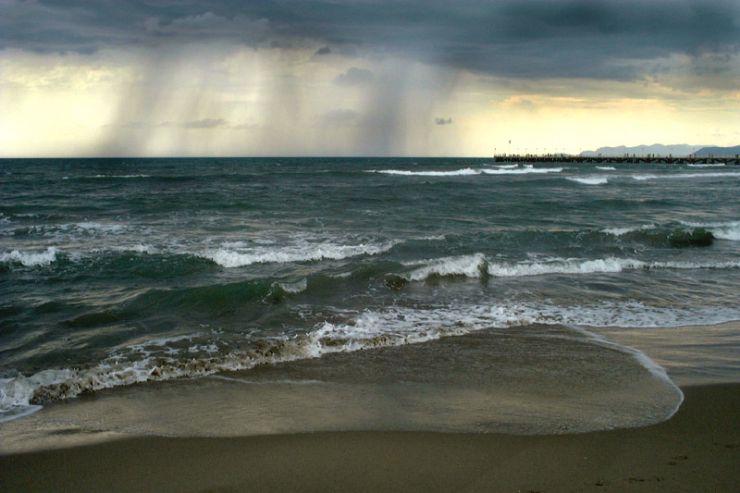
<point>697,450</point>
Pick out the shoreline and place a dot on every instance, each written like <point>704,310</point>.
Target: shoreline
<point>698,449</point>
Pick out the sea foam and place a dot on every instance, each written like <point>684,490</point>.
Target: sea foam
<point>402,172</point>
<point>683,176</point>
<point>521,171</point>
<point>723,230</point>
<point>302,252</point>
<point>590,180</point>
<point>30,259</point>
<point>155,360</point>
<point>474,266</point>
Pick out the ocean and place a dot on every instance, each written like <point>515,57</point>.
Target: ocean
<point>243,296</point>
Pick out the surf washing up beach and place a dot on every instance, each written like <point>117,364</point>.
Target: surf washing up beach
<point>378,324</point>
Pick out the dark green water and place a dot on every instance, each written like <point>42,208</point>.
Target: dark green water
<point>119,271</point>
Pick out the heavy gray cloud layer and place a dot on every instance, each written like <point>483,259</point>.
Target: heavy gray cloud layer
<point>511,38</point>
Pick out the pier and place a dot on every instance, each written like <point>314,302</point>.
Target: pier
<point>628,159</point>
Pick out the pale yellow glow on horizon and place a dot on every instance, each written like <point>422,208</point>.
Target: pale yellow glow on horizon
<point>227,100</point>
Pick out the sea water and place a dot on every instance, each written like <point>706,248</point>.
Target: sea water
<point>362,293</point>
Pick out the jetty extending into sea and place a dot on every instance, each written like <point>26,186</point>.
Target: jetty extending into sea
<point>627,159</point>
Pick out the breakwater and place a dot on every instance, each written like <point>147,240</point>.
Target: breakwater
<point>629,159</point>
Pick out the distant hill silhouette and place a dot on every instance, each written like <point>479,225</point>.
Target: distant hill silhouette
<point>675,150</point>
<point>717,151</point>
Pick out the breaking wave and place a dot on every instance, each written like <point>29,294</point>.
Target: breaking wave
<point>606,168</point>
<point>477,266</point>
<point>198,354</point>
<point>723,230</point>
<point>30,258</point>
<point>628,229</point>
<point>498,170</point>
<point>521,171</point>
<point>302,252</point>
<point>403,172</point>
<point>682,176</point>
<point>591,180</point>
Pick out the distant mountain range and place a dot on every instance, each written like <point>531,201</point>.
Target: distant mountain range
<point>676,150</point>
<point>718,151</point>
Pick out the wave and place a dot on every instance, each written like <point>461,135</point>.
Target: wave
<point>521,171</point>
<point>303,252</point>
<point>591,180</point>
<point>628,229</point>
<point>199,354</point>
<point>606,168</point>
<point>477,266</point>
<point>402,172</point>
<point>671,236</point>
<point>84,229</point>
<point>498,170</point>
<point>157,360</point>
<point>723,230</point>
<point>472,266</point>
<point>30,258</point>
<point>682,176</point>
<point>706,165</point>
<point>506,166</point>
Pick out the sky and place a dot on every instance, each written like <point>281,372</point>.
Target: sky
<point>364,77</point>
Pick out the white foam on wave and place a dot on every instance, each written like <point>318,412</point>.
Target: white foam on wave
<point>293,287</point>
<point>156,360</point>
<point>30,259</point>
<point>529,169</point>
<point>589,180</point>
<point>474,266</point>
<point>628,229</point>
<point>301,252</point>
<point>403,172</point>
<point>465,265</point>
<point>683,176</point>
<point>606,168</point>
<point>506,166</point>
<point>98,227</point>
<point>729,230</point>
<point>706,165</point>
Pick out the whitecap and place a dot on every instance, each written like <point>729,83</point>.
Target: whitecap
<point>528,169</point>
<point>683,176</point>
<point>722,230</point>
<point>458,172</point>
<point>628,229</point>
<point>466,265</point>
<point>30,259</point>
<point>591,180</point>
<point>302,252</point>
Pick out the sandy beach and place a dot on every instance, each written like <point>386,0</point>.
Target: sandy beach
<point>697,450</point>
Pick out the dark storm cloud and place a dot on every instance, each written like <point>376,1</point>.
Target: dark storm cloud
<point>526,38</point>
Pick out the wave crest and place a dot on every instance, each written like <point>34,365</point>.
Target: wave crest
<point>590,180</point>
<point>30,259</point>
<point>477,266</point>
<point>303,252</point>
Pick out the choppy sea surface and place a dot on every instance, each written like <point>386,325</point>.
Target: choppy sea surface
<point>400,293</point>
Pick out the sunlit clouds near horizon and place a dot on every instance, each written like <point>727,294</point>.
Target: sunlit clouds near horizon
<point>423,78</point>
